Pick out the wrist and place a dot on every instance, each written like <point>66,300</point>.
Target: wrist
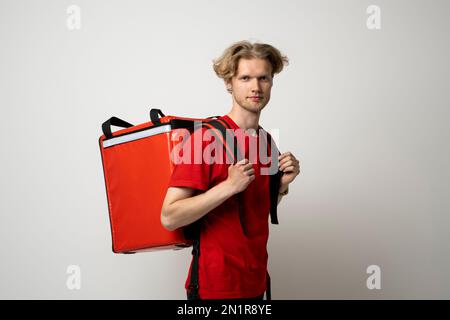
<point>227,188</point>
<point>284,190</point>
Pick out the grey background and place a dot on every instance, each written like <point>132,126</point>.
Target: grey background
<point>365,111</point>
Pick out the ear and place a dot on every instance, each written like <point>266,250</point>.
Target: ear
<point>228,85</point>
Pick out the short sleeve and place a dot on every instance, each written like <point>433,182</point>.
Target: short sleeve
<point>188,173</point>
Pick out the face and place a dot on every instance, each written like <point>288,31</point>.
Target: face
<point>252,84</point>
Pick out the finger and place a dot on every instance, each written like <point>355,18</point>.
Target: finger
<point>289,169</point>
<point>242,162</point>
<point>247,166</point>
<point>250,172</point>
<point>287,164</point>
<point>285,154</point>
<point>285,160</point>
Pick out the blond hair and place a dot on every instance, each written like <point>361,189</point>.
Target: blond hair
<point>226,65</point>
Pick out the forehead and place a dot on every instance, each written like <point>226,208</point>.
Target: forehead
<point>254,67</point>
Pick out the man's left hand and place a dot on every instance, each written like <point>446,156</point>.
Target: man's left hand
<point>290,167</point>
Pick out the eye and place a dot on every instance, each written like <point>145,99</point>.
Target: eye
<point>244,78</point>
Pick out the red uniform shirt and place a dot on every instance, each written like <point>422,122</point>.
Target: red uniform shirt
<point>231,265</point>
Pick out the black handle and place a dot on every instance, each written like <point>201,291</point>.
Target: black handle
<point>154,115</point>
<point>113,121</point>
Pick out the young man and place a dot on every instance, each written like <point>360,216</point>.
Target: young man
<point>232,265</point>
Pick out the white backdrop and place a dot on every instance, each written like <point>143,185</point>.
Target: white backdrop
<point>365,110</point>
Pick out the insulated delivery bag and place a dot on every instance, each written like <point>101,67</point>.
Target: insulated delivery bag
<point>137,167</point>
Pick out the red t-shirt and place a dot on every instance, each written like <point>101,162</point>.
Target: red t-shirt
<point>231,265</point>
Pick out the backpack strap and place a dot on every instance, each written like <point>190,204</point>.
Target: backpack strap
<point>192,290</point>
<point>268,291</point>
<point>274,187</point>
<point>275,179</point>
<point>219,128</point>
<point>237,157</point>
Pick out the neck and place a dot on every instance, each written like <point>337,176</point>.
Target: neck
<point>244,118</point>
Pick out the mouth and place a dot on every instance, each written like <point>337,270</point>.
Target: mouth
<point>255,98</point>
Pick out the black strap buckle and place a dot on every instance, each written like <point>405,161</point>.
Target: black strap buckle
<point>192,292</point>
<point>193,287</point>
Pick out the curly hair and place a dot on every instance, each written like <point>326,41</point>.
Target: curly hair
<point>226,65</point>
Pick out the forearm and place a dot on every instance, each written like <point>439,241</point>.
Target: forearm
<point>184,212</point>
<point>279,198</point>
<point>282,189</point>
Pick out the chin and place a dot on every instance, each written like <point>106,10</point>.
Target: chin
<point>257,108</point>
<point>251,107</point>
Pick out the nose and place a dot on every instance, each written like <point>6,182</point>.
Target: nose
<point>256,86</point>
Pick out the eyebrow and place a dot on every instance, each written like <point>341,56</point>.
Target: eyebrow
<point>246,75</point>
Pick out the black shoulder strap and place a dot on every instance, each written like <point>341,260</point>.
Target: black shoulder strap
<point>268,290</point>
<point>228,135</point>
<point>275,179</point>
<point>274,185</point>
<point>195,228</point>
<point>192,291</point>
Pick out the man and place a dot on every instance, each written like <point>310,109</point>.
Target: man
<point>232,265</point>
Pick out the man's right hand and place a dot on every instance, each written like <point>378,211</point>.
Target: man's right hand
<point>181,207</point>
<point>240,175</point>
